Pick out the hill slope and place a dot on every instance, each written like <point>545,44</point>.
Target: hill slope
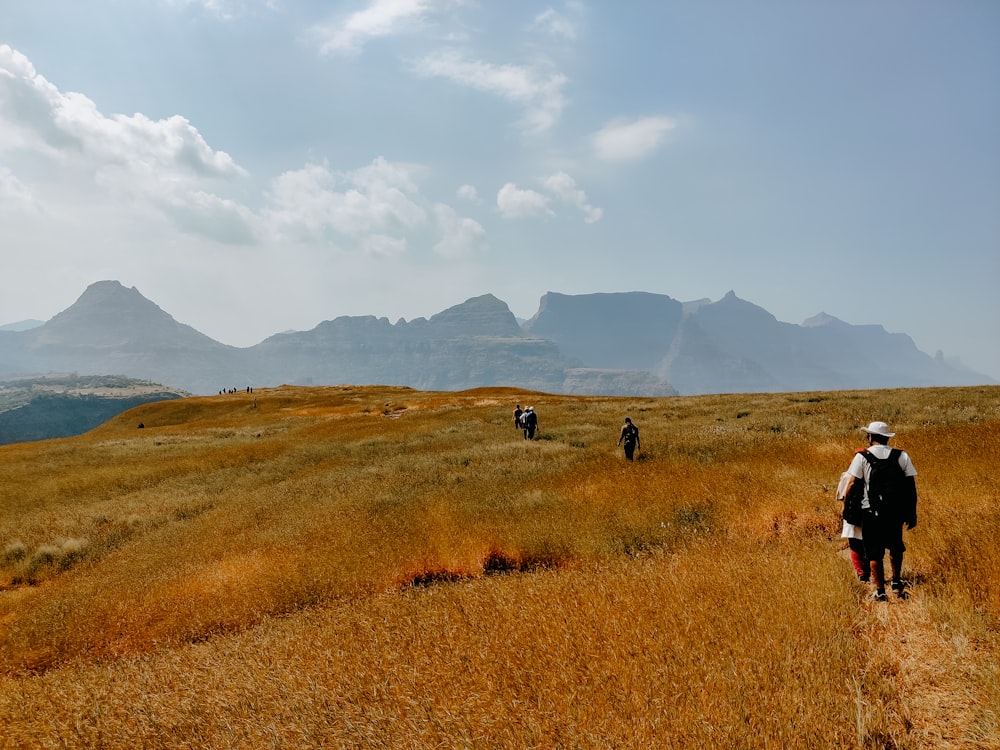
<point>384,567</point>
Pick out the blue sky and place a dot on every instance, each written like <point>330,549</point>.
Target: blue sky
<point>254,166</point>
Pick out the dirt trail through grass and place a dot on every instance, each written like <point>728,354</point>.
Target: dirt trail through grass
<point>933,671</point>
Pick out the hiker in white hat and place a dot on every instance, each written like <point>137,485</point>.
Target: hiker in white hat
<point>889,502</point>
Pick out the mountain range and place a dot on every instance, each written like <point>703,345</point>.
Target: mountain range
<point>628,343</point>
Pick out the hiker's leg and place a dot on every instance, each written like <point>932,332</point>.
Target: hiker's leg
<point>896,563</point>
<point>874,532</point>
<point>878,574</point>
<point>858,558</point>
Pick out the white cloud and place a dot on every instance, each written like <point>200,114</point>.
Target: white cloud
<point>158,177</point>
<point>69,126</point>
<point>468,193</point>
<point>460,236</point>
<point>564,187</point>
<point>555,24</point>
<point>515,203</point>
<point>381,18</point>
<point>316,204</point>
<point>165,164</point>
<point>624,140</point>
<point>28,108</point>
<point>537,92</point>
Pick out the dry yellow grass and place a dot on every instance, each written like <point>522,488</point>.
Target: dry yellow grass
<point>380,567</point>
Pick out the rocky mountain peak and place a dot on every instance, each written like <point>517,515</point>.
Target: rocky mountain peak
<point>109,314</point>
<point>821,319</point>
<point>478,316</point>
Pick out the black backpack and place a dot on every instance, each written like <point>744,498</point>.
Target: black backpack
<point>886,484</point>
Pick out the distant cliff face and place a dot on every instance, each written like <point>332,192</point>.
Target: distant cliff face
<point>752,351</point>
<point>629,330</point>
<point>734,346</point>
<point>632,343</point>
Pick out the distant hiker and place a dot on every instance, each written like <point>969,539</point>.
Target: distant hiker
<point>517,417</point>
<point>630,434</point>
<point>529,422</point>
<point>853,516</point>
<point>889,502</point>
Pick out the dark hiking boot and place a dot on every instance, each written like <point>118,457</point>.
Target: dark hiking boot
<point>879,596</point>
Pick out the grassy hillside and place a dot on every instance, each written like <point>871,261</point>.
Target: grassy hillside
<point>382,567</point>
<point>63,405</point>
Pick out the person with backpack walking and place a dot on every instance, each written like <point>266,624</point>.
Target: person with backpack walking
<point>889,503</point>
<point>530,422</point>
<point>630,434</point>
<point>517,417</point>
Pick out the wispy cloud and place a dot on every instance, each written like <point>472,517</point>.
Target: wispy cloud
<point>629,140</point>
<point>460,235</point>
<point>564,187</point>
<point>227,10</point>
<point>517,203</point>
<point>524,203</point>
<point>468,193</point>
<point>381,18</point>
<point>552,22</point>
<point>538,92</point>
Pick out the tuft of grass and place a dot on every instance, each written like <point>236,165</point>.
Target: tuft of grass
<point>14,552</point>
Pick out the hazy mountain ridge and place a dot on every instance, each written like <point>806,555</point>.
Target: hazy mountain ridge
<point>736,346</point>
<point>628,343</point>
<point>22,325</point>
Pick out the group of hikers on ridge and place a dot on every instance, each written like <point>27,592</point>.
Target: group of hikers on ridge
<point>879,493</point>
<point>526,420</point>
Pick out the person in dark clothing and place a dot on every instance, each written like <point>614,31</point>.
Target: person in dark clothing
<point>630,436</point>
<point>529,421</point>
<point>883,529</point>
<point>517,417</point>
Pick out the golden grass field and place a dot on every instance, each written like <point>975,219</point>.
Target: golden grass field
<point>375,567</point>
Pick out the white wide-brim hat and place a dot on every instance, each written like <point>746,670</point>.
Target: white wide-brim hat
<point>878,428</point>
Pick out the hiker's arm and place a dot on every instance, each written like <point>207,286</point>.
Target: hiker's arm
<point>849,487</point>
<point>911,503</point>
